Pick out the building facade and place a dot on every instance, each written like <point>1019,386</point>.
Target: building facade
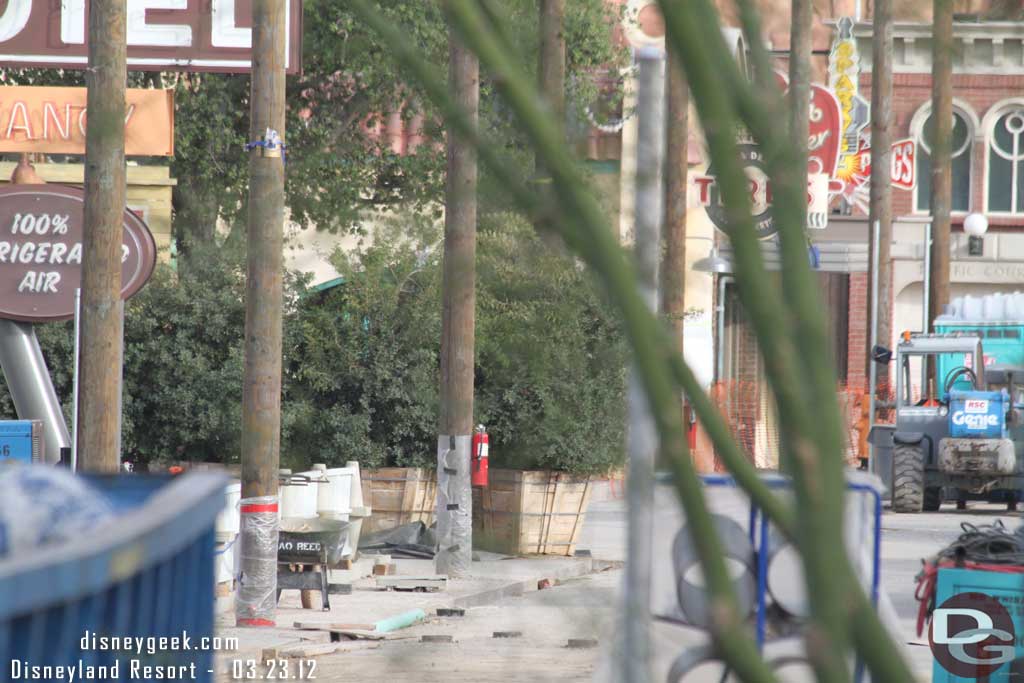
<point>988,178</point>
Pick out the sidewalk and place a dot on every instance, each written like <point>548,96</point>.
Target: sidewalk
<point>492,581</point>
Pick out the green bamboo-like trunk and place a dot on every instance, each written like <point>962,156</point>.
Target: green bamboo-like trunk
<point>787,318</point>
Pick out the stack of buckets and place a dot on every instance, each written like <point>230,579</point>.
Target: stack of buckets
<point>330,493</point>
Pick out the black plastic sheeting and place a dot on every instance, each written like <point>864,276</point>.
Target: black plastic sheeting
<point>414,540</point>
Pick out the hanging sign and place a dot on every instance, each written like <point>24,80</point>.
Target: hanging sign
<point>838,146</point>
<point>54,120</point>
<point>41,228</point>
<point>760,188</point>
<point>163,35</point>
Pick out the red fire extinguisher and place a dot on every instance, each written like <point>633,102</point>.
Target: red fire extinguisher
<point>480,447</point>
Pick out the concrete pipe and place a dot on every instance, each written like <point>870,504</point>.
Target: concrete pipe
<point>786,579</point>
<point>690,585</point>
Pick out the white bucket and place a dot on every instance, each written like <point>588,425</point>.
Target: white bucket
<point>357,483</point>
<point>334,498</point>
<point>227,521</point>
<point>299,499</point>
<point>225,563</point>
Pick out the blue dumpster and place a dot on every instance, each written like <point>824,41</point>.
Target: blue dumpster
<point>104,603</point>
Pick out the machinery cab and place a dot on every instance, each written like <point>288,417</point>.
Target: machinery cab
<point>923,409</point>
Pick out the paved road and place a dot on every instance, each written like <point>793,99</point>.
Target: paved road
<point>906,539</point>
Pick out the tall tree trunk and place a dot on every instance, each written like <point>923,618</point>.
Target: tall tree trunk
<point>196,210</point>
<point>942,153</point>
<point>881,186</point>
<point>99,413</point>
<point>673,263</point>
<point>551,80</point>
<point>455,427</point>
<point>551,63</point>
<point>261,389</point>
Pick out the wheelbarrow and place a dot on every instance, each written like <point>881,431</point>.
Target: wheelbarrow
<point>306,547</point>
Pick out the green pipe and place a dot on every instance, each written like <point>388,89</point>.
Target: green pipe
<point>399,621</point>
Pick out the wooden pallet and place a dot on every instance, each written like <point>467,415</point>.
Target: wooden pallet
<point>398,495</point>
<point>530,512</point>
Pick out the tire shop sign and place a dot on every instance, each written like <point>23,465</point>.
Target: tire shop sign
<point>41,229</point>
<point>163,35</point>
<point>839,150</point>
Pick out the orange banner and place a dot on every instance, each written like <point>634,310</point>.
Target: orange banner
<point>53,121</point>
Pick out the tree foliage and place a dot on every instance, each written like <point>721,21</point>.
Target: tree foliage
<point>361,366</point>
<point>348,85</point>
<point>549,357</point>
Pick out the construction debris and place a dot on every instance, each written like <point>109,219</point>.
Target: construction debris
<point>581,643</point>
<point>422,584</point>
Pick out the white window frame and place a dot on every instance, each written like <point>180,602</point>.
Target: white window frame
<point>974,136</point>
<point>988,125</point>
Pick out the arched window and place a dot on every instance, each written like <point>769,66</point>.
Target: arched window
<point>963,137</point>
<point>1005,159</point>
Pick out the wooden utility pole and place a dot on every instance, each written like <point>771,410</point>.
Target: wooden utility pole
<point>455,427</point>
<point>941,155</point>
<point>881,185</point>
<point>551,66</point>
<point>800,77</point>
<point>551,81</point>
<point>261,388</point>
<point>673,260</point>
<point>99,416</point>
<point>261,398</point>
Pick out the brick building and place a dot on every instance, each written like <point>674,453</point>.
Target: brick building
<point>988,178</point>
<point>988,164</point>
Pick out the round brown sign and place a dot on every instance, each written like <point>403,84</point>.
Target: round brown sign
<point>41,230</point>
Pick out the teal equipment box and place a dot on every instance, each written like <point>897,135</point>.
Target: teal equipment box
<point>1003,344</point>
<point>967,600</point>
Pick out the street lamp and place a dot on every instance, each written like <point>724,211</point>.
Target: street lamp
<point>713,263</point>
<point>975,225</point>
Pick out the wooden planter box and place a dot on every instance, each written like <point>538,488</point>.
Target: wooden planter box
<point>530,512</point>
<point>398,495</point>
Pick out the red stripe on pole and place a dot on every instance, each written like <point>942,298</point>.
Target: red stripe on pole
<point>270,507</point>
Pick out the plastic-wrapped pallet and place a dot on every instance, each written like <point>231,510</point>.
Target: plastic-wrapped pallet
<point>990,308</point>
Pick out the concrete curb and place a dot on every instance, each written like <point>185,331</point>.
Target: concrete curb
<point>582,567</point>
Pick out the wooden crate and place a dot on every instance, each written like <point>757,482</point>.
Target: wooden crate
<point>398,495</point>
<point>530,512</point>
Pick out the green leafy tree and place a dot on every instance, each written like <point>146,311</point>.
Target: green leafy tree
<point>336,171</point>
<point>550,357</point>
<point>361,366</point>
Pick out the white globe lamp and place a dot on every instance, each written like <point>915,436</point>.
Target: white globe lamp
<point>975,224</point>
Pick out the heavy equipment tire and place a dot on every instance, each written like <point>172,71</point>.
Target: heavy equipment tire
<point>907,478</point>
<point>932,499</point>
